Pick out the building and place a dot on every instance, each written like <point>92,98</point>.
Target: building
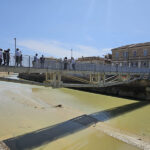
<point>108,58</point>
<point>95,60</point>
<point>134,55</point>
<point>52,59</point>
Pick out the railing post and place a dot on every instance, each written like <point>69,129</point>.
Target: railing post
<point>104,79</point>
<point>29,61</point>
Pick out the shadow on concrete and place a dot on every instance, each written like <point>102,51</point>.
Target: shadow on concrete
<point>49,134</point>
<point>118,111</point>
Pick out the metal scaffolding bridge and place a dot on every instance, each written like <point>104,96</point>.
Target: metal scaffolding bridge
<point>88,74</point>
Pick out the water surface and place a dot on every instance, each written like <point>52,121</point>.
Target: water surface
<point>27,108</point>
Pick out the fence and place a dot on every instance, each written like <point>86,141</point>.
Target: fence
<point>27,61</point>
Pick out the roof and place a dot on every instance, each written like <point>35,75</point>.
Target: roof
<point>133,46</point>
<point>90,58</point>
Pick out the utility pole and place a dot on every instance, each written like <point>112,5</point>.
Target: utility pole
<point>71,53</point>
<point>15,45</point>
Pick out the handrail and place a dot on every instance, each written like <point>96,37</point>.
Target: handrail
<point>28,61</point>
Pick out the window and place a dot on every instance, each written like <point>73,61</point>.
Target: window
<point>134,53</point>
<point>145,64</point>
<point>117,55</point>
<point>125,64</point>
<point>125,54</point>
<point>145,52</point>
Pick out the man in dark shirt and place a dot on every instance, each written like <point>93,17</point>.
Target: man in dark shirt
<point>1,55</point>
<point>65,63</point>
<point>7,57</point>
<point>4,57</point>
<point>42,61</point>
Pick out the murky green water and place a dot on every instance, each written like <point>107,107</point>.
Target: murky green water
<point>26,108</point>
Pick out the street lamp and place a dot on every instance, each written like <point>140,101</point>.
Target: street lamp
<point>71,52</point>
<point>15,45</point>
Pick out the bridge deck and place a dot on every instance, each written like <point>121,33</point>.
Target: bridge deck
<point>105,75</point>
<point>55,70</point>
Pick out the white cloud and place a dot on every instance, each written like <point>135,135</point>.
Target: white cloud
<point>60,50</point>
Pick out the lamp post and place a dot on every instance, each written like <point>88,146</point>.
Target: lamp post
<point>15,50</point>
<point>71,53</point>
<point>15,45</point>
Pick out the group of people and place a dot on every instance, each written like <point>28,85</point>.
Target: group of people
<point>40,62</point>
<point>35,61</point>
<point>69,63</point>
<point>4,57</point>
<point>5,60</point>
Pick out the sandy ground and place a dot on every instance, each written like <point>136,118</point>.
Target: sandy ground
<point>3,74</point>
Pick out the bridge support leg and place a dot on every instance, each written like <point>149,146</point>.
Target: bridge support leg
<point>96,78</point>
<point>104,77</point>
<point>128,77</point>
<point>91,78</point>
<point>119,77</point>
<point>54,79</point>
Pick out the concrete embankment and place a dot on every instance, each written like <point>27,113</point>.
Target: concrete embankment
<point>139,89</point>
<point>3,146</point>
<point>42,108</point>
<point>132,139</point>
<point>4,74</point>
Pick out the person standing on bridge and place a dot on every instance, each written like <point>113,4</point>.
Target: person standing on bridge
<point>20,58</point>
<point>65,63</point>
<point>42,61</point>
<point>4,57</point>
<point>35,61</point>
<point>17,57</point>
<point>7,57</point>
<point>1,56</point>
<point>73,63</point>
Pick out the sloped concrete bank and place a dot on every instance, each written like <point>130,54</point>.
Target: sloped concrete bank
<point>139,89</point>
<point>3,146</point>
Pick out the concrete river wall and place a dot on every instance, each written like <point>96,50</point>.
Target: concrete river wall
<point>139,89</point>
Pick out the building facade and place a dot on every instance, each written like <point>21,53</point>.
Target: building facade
<point>95,60</point>
<point>134,55</point>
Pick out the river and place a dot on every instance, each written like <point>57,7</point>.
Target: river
<point>27,108</point>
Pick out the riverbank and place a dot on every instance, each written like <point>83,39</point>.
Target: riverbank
<point>37,110</point>
<point>3,74</point>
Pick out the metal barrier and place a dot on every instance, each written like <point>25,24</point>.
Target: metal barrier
<point>27,61</point>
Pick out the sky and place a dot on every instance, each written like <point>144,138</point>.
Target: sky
<point>88,27</point>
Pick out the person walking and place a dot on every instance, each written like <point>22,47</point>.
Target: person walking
<point>73,63</point>
<point>17,57</point>
<point>65,63</point>
<point>20,58</point>
<point>1,56</point>
<point>35,61</point>
<point>42,61</point>
<point>4,57</point>
<point>7,56</point>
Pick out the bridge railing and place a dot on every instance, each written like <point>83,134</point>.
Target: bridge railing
<point>28,61</point>
<point>110,68</point>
